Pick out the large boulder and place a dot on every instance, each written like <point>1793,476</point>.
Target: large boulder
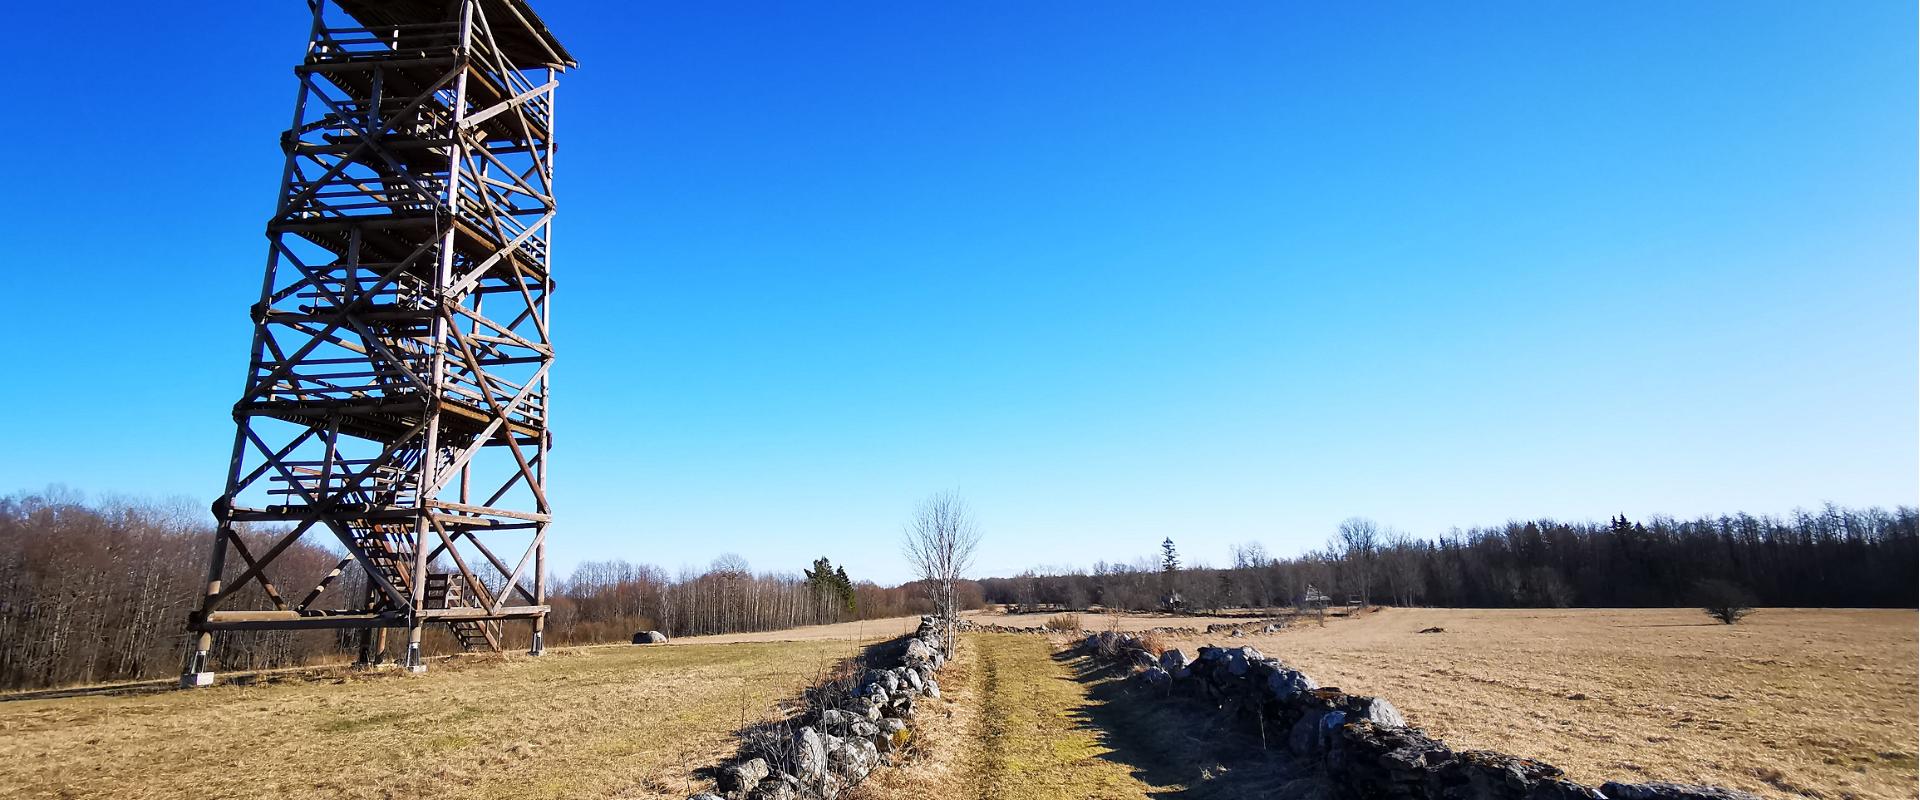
<point>649,637</point>
<point>918,652</point>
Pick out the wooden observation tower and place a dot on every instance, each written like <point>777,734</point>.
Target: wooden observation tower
<point>396,402</point>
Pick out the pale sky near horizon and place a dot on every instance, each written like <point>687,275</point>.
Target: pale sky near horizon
<point>1112,271</point>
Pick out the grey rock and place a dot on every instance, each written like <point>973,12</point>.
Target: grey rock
<point>1311,733</point>
<point>1156,676</point>
<point>932,689</point>
<point>702,795</point>
<point>1304,737</point>
<point>917,651</point>
<point>1382,713</point>
<point>649,637</point>
<point>848,761</point>
<point>1284,683</point>
<point>781,787</point>
<point>809,755</point>
<point>1173,660</point>
<point>1142,658</point>
<point>743,777</point>
<point>1237,663</point>
<point>836,721</point>
<point>1670,791</point>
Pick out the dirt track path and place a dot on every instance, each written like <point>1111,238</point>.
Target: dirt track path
<point>1021,721</point>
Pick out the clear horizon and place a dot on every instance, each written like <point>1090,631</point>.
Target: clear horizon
<point>1113,273</point>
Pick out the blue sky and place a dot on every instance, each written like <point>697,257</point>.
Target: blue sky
<point>1113,271</point>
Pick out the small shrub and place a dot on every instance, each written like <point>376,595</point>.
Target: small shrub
<point>1724,600</point>
<point>1064,623</point>
<point>1154,642</point>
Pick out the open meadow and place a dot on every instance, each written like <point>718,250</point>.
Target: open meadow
<point>1788,703</point>
<point>616,721</point>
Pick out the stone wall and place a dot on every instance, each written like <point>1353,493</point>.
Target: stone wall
<point>1235,629</point>
<point>1364,743</point>
<point>848,731</point>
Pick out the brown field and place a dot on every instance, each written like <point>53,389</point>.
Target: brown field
<point>628,722</point>
<point>1098,621</point>
<point>1789,703</point>
<point>861,631</point>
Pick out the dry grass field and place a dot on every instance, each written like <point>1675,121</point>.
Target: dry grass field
<point>1097,621</point>
<point>1790,703</point>
<point>603,722</point>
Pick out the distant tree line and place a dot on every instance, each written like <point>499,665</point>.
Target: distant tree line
<point>1834,557</point>
<point>98,592</point>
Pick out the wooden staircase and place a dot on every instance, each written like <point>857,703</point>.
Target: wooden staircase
<point>443,591</point>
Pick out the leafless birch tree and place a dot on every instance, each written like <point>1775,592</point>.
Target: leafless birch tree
<point>939,544</point>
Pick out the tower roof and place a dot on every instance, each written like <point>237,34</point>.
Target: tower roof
<point>522,36</point>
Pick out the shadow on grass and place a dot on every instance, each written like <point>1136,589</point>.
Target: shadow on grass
<point>1184,743</point>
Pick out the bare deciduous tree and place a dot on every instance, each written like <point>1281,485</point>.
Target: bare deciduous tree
<point>939,544</point>
<point>1359,539</point>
